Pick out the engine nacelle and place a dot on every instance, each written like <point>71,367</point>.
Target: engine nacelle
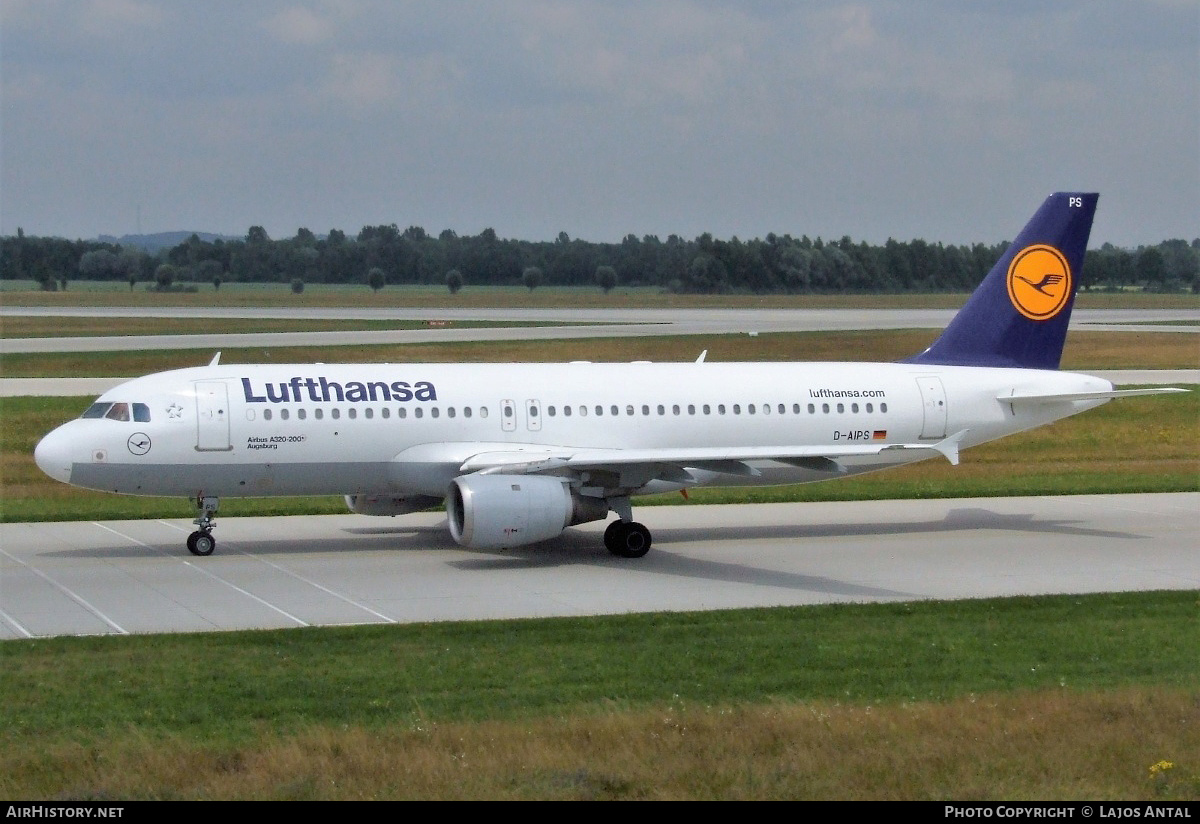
<point>491,511</point>
<point>365,504</point>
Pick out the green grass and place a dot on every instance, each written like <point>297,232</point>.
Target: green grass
<point>92,293</point>
<point>1020,698</point>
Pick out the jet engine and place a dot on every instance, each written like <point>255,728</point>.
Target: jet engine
<point>365,504</point>
<point>491,511</point>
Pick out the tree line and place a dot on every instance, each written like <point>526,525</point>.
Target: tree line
<point>383,255</point>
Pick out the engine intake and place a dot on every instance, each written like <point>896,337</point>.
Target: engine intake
<point>491,511</point>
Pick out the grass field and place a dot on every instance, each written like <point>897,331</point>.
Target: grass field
<point>1093,698</point>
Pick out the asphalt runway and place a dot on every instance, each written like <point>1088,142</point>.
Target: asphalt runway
<point>136,577</point>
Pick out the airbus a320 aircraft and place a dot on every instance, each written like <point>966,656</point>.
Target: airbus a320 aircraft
<point>519,452</point>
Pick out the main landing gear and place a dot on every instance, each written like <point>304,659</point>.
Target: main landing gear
<point>625,537</point>
<point>628,539</point>
<point>201,542</point>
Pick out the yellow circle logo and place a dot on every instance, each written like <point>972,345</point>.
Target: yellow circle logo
<point>1039,282</point>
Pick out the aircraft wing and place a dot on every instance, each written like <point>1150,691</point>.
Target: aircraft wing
<point>672,463</point>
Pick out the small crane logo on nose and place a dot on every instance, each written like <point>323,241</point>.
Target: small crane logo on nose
<point>139,443</point>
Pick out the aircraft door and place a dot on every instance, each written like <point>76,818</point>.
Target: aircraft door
<point>212,417</point>
<point>533,417</point>
<point>933,400</point>
<point>508,416</point>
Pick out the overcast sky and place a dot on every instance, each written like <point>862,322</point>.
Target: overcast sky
<point>936,119</point>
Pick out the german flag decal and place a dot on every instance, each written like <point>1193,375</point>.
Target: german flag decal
<point>1039,282</point>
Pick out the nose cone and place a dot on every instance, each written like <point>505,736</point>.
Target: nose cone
<point>53,455</point>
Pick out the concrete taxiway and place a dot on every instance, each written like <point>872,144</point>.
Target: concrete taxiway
<point>136,577</point>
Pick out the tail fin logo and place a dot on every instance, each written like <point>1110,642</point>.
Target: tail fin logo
<point>1039,282</point>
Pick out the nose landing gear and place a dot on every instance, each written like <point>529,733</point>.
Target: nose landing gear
<point>201,542</point>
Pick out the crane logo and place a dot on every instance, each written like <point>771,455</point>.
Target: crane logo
<point>1039,282</point>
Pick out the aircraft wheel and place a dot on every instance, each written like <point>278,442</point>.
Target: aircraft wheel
<point>201,543</point>
<point>627,539</point>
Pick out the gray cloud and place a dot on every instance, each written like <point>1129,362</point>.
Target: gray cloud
<point>943,120</point>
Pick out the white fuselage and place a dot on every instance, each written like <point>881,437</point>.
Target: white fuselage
<point>263,430</point>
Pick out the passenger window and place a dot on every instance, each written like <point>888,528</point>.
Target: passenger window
<point>870,408</point>
<point>335,413</point>
<point>825,408</point>
<point>301,414</point>
<point>450,412</point>
<point>433,413</point>
<point>466,411</point>
<point>841,408</point>
<point>368,412</point>
<point>737,409</point>
<point>283,414</point>
<point>691,409</point>
<point>418,412</point>
<point>318,413</point>
<point>266,414</point>
<point>749,409</point>
<point>141,413</point>
<point>629,410</point>
<point>352,413</point>
<point>483,412</point>
<point>402,412</point>
<point>567,411</point>
<point>883,407</point>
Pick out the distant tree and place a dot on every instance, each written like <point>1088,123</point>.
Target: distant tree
<point>257,234</point>
<point>62,282</point>
<point>454,281</point>
<point>98,264</point>
<point>164,276</point>
<point>297,286</point>
<point>209,270</point>
<point>1151,267</point>
<point>132,276</point>
<point>531,277</point>
<point>376,278</point>
<point>606,278</point>
<point>216,282</point>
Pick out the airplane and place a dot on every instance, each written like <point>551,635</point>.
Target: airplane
<point>519,452</point>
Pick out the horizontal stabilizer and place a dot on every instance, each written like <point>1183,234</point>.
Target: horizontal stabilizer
<point>1109,394</point>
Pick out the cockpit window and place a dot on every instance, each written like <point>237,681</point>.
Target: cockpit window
<point>119,411</point>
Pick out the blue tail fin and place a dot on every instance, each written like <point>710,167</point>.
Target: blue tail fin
<point>1018,316</point>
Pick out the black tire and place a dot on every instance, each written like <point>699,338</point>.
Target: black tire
<point>627,539</point>
<point>201,543</point>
